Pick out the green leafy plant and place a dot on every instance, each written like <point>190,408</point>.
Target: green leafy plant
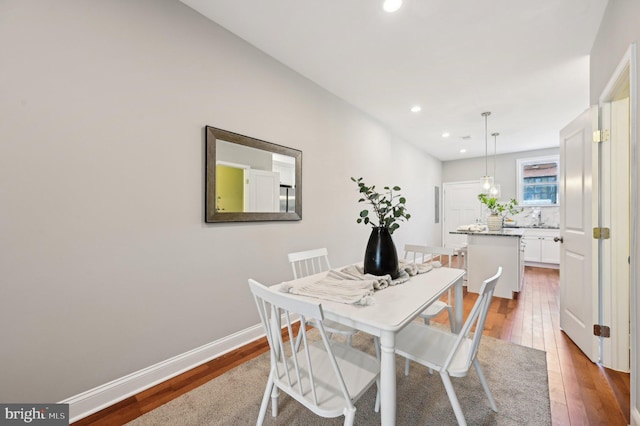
<point>497,208</point>
<point>388,207</point>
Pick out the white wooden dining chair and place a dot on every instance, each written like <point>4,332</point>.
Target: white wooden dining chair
<point>324,375</point>
<point>311,262</point>
<point>436,256</point>
<point>451,354</point>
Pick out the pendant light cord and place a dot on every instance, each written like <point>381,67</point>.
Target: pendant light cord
<point>486,153</point>
<point>495,151</point>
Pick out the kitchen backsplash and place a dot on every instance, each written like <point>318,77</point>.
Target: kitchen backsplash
<point>549,216</point>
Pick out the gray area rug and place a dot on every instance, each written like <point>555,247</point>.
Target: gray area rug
<point>517,377</point>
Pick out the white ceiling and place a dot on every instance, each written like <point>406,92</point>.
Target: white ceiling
<point>524,61</point>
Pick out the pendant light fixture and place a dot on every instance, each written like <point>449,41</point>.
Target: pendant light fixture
<point>494,191</point>
<point>487,181</point>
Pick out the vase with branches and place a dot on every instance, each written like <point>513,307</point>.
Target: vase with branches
<point>388,209</point>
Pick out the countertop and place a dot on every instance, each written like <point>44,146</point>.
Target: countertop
<point>504,232</point>
<point>533,226</point>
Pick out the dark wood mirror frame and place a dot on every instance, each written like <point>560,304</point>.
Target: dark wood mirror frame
<point>211,214</point>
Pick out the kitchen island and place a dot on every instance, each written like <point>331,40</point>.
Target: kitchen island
<point>486,251</point>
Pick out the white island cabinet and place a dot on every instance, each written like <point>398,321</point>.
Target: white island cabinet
<point>486,251</point>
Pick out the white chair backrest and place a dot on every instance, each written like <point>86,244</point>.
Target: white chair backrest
<point>477,317</point>
<point>291,366</point>
<point>309,262</point>
<point>421,254</point>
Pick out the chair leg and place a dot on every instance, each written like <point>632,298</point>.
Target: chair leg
<point>376,344</point>
<point>427,321</point>
<point>455,404</point>
<point>452,319</point>
<point>349,339</point>
<point>274,401</point>
<point>485,386</point>
<point>265,401</point>
<point>349,417</point>
<point>406,366</point>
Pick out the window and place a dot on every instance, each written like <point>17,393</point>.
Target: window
<point>538,181</point>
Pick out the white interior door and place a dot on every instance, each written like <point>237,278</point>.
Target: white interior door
<point>577,291</point>
<point>461,207</point>
<point>263,191</point>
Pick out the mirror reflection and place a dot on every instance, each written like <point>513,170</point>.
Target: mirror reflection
<point>253,180</point>
<point>249,179</point>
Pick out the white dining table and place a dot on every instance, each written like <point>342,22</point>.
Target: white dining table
<point>394,308</point>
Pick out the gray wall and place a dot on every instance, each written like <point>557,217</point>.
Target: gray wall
<point>107,266</point>
<point>506,171</point>
<point>619,28</point>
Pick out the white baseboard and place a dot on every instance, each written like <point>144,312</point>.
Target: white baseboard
<point>101,397</point>
<point>542,265</point>
<point>635,417</point>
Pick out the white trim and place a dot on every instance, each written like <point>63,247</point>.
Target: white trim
<point>635,417</point>
<point>103,396</point>
<point>635,186</point>
<point>230,164</point>
<point>628,65</point>
<point>619,345</point>
<point>624,66</point>
<point>542,265</point>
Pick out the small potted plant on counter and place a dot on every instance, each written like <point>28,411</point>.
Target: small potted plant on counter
<point>498,210</point>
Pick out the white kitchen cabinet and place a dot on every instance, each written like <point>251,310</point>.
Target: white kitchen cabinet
<point>540,248</point>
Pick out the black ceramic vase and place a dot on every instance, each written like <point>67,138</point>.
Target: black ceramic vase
<point>381,257</point>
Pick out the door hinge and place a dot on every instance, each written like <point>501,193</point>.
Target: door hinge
<point>601,330</point>
<point>601,135</point>
<point>600,233</point>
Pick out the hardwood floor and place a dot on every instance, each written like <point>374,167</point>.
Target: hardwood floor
<point>581,393</point>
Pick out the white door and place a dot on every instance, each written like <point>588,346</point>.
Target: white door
<point>263,191</point>
<point>577,291</point>
<point>461,207</point>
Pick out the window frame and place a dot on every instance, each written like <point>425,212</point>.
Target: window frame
<point>520,163</point>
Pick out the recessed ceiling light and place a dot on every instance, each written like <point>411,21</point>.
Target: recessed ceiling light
<point>416,108</point>
<point>446,134</point>
<point>463,150</point>
<point>391,5</point>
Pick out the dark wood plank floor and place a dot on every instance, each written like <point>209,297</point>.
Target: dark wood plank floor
<point>581,393</point>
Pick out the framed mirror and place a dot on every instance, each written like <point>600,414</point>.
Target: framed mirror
<point>249,179</point>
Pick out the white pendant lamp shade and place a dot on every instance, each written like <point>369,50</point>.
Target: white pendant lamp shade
<point>494,191</point>
<point>487,181</point>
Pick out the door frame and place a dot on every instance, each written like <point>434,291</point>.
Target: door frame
<point>627,71</point>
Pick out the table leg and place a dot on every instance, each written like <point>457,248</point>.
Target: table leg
<point>459,305</point>
<point>388,378</point>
